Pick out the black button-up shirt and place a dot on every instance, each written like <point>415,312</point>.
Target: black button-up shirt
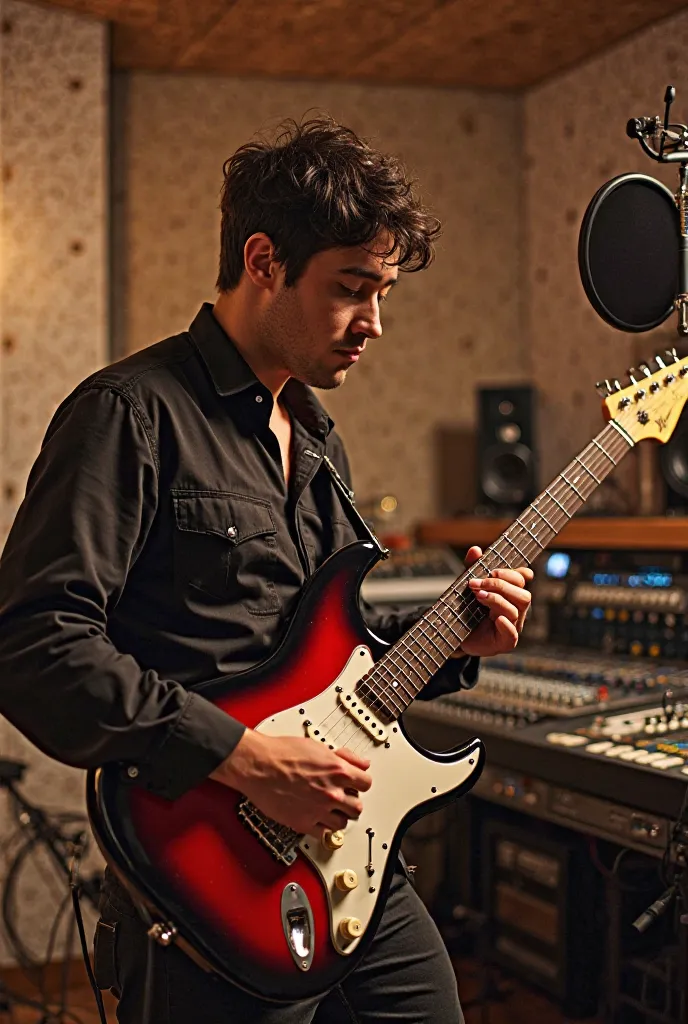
<point>158,546</point>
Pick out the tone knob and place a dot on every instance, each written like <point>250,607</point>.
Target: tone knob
<point>350,928</point>
<point>346,880</point>
<point>333,840</point>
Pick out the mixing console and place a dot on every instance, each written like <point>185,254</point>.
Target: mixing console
<point>652,736</point>
<point>520,689</point>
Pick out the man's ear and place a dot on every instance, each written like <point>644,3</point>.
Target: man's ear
<point>259,261</point>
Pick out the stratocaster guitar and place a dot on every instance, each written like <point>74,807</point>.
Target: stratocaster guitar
<point>287,916</point>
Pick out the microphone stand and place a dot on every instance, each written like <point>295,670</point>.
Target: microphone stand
<point>672,148</point>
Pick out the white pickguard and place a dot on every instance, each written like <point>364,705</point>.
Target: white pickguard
<point>402,778</point>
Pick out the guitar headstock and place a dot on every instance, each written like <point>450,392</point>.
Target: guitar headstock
<point>651,405</point>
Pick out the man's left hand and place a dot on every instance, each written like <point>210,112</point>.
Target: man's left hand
<point>504,595</point>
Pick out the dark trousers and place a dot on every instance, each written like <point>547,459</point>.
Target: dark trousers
<point>405,976</point>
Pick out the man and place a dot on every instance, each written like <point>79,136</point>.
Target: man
<point>176,509</point>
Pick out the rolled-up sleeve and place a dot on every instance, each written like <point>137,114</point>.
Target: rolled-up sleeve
<point>90,504</point>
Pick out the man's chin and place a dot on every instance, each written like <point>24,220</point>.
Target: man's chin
<point>327,381</point>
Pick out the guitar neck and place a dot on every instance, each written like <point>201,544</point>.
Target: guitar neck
<point>400,675</point>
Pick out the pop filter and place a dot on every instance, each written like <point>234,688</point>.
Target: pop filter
<point>628,252</point>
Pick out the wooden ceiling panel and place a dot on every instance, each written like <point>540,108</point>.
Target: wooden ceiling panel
<point>502,44</point>
<point>527,42</point>
<point>318,39</point>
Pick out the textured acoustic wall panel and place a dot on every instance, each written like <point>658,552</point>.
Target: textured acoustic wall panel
<point>575,141</point>
<point>53,98</point>
<point>500,44</point>
<point>445,329</point>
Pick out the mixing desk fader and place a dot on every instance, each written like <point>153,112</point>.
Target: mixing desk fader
<point>519,689</point>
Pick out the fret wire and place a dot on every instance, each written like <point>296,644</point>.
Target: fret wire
<point>376,686</point>
<point>366,691</point>
<point>557,503</point>
<point>383,667</point>
<point>429,654</point>
<point>514,546</point>
<point>518,523</point>
<point>424,666</point>
<point>461,598</point>
<point>405,643</point>
<point>393,707</point>
<point>500,556</point>
<point>572,486</point>
<point>544,518</point>
<point>410,652</point>
<point>588,471</point>
<point>451,609</point>
<point>427,636</point>
<point>397,683</point>
<point>603,450</point>
<point>394,652</point>
<point>397,707</point>
<point>438,630</point>
<point>535,538</point>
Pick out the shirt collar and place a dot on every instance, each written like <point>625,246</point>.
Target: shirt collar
<point>231,374</point>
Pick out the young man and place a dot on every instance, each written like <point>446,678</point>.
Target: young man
<point>176,509</point>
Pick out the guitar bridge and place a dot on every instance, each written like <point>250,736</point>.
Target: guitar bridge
<point>280,840</point>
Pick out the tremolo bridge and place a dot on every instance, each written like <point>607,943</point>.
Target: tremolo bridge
<point>280,840</point>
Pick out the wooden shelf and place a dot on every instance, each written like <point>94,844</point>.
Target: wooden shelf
<point>642,533</point>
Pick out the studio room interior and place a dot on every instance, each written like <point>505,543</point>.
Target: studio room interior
<point>343,512</point>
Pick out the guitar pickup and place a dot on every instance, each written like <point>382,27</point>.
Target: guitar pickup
<point>362,714</point>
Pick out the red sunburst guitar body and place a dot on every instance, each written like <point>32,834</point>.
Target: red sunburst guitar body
<point>280,915</point>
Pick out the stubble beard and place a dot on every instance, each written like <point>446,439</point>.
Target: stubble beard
<point>284,331</point>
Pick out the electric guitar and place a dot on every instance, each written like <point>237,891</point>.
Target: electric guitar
<point>287,916</point>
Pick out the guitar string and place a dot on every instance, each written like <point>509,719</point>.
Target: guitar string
<point>562,488</point>
<point>603,457</point>
<point>601,461</point>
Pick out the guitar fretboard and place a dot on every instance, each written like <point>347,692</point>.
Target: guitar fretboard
<point>399,676</point>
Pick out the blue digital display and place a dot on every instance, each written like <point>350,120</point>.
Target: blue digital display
<point>650,578</point>
<point>558,565</point>
<point>606,579</point>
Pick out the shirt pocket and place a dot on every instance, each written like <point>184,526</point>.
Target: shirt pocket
<point>226,546</point>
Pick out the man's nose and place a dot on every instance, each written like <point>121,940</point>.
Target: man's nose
<point>369,322</point>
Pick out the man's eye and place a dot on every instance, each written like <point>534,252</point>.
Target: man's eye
<point>349,292</point>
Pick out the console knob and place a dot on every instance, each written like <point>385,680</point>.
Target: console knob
<point>350,928</point>
<point>333,840</point>
<point>346,880</point>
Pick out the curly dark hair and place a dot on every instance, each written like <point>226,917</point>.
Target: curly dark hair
<point>318,186</point>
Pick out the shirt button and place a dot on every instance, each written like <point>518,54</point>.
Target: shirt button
<point>232,532</point>
<point>259,398</point>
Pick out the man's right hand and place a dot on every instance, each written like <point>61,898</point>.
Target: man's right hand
<point>296,781</point>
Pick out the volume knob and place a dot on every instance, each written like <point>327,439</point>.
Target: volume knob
<point>346,880</point>
<point>350,928</point>
<point>333,840</point>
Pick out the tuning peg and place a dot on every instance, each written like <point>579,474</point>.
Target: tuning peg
<point>660,362</point>
<point>671,352</point>
<point>631,375</point>
<point>617,385</point>
<point>646,369</point>
<point>602,388</point>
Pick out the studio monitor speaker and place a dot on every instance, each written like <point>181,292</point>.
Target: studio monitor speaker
<point>506,464</point>
<point>673,461</point>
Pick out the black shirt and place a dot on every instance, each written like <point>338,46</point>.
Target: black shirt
<point>158,547</point>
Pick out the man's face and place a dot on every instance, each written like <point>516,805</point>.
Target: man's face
<point>318,328</point>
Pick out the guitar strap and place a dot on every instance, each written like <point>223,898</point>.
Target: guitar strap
<point>362,529</point>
